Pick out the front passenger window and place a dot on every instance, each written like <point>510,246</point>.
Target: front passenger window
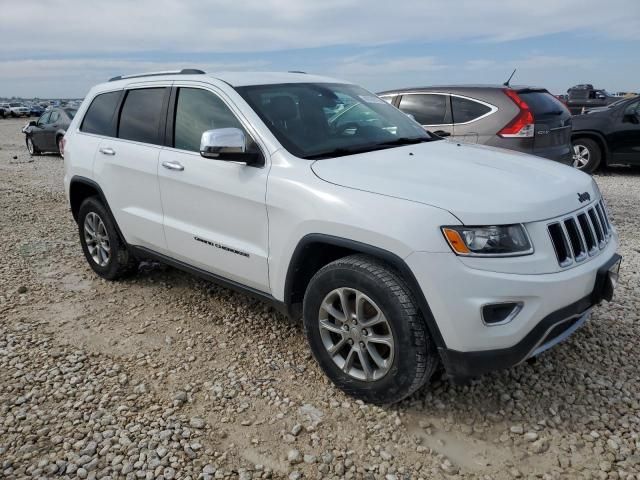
<point>196,112</point>
<point>44,119</point>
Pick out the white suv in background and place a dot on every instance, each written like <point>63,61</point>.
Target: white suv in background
<point>399,249</point>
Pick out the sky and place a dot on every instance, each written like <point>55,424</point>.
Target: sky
<point>60,48</point>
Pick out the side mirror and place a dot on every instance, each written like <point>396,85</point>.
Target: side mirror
<point>631,118</point>
<point>33,123</point>
<point>228,144</point>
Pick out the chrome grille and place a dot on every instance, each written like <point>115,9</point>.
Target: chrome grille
<point>580,235</point>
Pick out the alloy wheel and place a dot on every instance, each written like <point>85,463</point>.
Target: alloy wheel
<point>581,156</point>
<point>356,334</point>
<point>97,239</point>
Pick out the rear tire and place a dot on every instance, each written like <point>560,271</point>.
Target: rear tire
<point>380,352</point>
<point>586,154</point>
<point>106,253</point>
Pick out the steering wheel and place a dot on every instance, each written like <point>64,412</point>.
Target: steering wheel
<point>342,129</point>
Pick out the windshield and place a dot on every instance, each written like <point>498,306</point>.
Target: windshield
<point>320,120</point>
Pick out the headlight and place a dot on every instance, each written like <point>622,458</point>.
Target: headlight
<point>491,241</point>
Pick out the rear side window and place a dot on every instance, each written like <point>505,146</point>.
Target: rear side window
<point>426,109</point>
<point>55,115</point>
<point>196,112</point>
<point>542,103</point>
<point>99,116</point>
<point>466,110</point>
<point>141,114</point>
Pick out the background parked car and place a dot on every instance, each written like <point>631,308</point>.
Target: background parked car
<point>36,110</point>
<point>18,110</point>
<point>607,135</point>
<point>581,97</point>
<point>4,110</point>
<point>45,134</point>
<point>525,119</point>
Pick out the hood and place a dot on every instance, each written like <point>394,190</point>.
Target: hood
<point>480,185</point>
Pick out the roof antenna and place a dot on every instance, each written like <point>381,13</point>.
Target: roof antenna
<point>506,84</point>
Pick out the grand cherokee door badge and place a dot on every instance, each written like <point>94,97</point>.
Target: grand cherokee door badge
<point>222,247</point>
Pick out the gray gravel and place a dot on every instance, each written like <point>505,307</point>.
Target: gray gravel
<point>165,376</point>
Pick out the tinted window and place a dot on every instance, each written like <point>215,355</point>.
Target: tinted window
<point>55,116</point>
<point>542,103</point>
<point>632,108</point>
<point>141,115</point>
<point>426,109</point>
<point>324,120</point>
<point>465,110</point>
<point>44,119</point>
<point>196,112</point>
<point>99,116</point>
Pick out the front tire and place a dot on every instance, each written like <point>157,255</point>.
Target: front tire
<point>586,154</point>
<point>31,147</point>
<point>366,331</point>
<point>107,255</point>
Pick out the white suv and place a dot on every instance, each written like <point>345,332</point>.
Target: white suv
<point>400,250</point>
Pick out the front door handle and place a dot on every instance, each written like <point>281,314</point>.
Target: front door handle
<point>173,166</point>
<point>107,151</point>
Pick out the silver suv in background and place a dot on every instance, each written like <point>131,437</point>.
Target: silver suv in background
<point>526,119</point>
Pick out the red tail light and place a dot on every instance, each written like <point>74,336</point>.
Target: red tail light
<point>523,125</point>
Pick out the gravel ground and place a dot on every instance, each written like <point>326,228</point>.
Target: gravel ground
<point>166,376</point>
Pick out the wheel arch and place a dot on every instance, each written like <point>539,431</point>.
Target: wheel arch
<point>598,138</point>
<point>316,250</point>
<point>81,188</point>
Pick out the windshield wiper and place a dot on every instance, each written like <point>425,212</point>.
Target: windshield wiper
<point>406,141</point>
<point>340,152</point>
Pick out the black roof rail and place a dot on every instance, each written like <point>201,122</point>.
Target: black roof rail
<point>297,71</point>
<point>184,71</point>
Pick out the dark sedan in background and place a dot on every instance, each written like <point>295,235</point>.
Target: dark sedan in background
<point>607,136</point>
<point>525,119</point>
<point>45,134</point>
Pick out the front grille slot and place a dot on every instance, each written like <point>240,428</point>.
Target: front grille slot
<point>603,222</point>
<point>580,235</point>
<point>589,237</point>
<point>560,244</point>
<point>595,223</point>
<point>575,239</point>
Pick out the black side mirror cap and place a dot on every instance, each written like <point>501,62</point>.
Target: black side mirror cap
<point>631,118</point>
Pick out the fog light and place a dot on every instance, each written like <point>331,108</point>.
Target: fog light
<point>500,313</point>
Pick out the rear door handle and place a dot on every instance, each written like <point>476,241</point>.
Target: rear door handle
<point>107,151</point>
<point>173,166</point>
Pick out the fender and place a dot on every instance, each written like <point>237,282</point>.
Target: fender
<point>389,257</point>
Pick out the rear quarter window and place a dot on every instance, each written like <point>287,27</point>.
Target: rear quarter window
<point>99,116</point>
<point>466,110</point>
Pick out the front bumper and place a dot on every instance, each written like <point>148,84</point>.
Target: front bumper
<point>552,330</point>
<point>555,305</point>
